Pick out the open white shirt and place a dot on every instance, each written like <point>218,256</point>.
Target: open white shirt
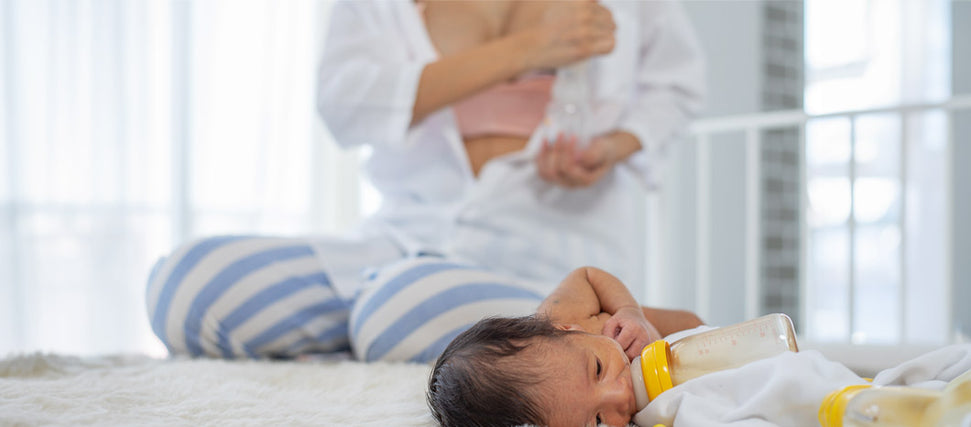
<point>508,218</point>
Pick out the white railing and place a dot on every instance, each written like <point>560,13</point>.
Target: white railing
<point>751,125</point>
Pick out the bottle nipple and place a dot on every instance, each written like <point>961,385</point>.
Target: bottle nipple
<point>640,389</point>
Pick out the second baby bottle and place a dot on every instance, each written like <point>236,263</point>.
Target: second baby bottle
<point>663,365</point>
<point>898,406</point>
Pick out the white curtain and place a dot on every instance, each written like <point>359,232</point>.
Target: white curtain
<point>131,126</point>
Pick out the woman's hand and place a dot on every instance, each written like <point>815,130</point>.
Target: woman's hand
<point>631,330</point>
<point>560,162</point>
<point>569,32</point>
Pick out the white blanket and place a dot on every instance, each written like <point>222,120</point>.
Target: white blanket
<point>136,390</point>
<point>787,390</point>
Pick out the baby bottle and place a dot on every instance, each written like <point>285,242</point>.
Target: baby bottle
<point>867,406</point>
<point>954,406</point>
<point>662,365</point>
<point>569,110</point>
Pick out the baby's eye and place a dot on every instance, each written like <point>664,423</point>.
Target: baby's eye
<point>599,368</point>
<point>598,420</point>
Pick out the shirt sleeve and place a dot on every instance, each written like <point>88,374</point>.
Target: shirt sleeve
<point>368,75</point>
<point>670,85</point>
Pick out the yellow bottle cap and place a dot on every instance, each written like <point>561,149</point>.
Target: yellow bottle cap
<point>834,405</point>
<point>655,368</point>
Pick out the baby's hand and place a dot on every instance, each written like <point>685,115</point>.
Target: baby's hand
<point>630,328</point>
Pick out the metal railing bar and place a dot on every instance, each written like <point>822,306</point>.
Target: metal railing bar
<point>949,223</point>
<point>784,118</point>
<point>702,228</point>
<point>803,234</point>
<point>851,226</point>
<point>902,248</point>
<point>753,237</point>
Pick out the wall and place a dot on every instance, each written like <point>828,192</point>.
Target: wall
<point>780,203</point>
<point>730,33</point>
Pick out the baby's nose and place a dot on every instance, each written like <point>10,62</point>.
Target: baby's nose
<point>618,394</point>
<point>617,406</point>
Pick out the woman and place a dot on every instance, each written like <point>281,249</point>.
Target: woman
<point>450,97</point>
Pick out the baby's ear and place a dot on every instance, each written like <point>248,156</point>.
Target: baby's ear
<point>567,326</point>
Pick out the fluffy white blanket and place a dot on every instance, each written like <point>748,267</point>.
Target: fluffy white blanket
<point>43,389</point>
<point>136,390</point>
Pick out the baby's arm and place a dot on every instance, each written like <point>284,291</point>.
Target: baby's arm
<point>588,292</point>
<point>668,322</point>
<point>584,293</point>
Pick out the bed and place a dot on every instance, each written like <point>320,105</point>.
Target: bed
<point>48,389</point>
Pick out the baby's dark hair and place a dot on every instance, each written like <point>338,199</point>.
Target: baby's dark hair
<point>477,382</point>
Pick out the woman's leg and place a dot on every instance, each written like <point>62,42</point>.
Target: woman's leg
<point>241,296</point>
<point>411,310</point>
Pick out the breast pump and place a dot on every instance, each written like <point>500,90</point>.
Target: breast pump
<point>569,111</point>
<point>663,365</point>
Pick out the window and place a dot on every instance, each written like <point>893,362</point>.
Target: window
<point>876,254</point>
<point>129,127</point>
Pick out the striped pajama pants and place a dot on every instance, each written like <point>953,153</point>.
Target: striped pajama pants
<point>262,297</point>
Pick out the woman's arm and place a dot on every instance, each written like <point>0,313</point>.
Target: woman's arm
<point>568,32</point>
<point>561,163</point>
<point>458,76</point>
<point>668,322</point>
<point>669,85</point>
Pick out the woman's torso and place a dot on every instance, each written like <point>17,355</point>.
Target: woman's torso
<point>457,26</point>
<point>505,218</point>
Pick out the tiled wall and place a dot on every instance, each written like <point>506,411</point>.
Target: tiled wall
<point>782,89</point>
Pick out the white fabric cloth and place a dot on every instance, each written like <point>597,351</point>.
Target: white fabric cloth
<point>786,390</point>
<point>508,219</point>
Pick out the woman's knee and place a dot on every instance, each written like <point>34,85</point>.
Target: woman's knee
<point>219,276</point>
<point>413,309</point>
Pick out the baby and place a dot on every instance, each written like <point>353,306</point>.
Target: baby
<point>566,365</point>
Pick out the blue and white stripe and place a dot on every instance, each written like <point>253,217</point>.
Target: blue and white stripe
<point>246,297</point>
<point>414,308</point>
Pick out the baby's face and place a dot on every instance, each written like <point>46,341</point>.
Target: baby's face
<point>590,382</point>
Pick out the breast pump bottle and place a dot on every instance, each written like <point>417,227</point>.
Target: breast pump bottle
<point>569,111</point>
<point>663,365</point>
<point>869,406</point>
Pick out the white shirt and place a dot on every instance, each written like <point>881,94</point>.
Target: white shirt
<point>508,218</point>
